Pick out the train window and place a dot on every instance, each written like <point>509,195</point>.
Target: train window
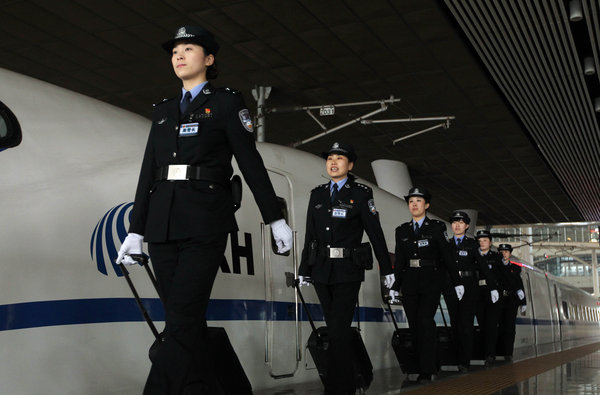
<point>10,130</point>
<point>283,206</point>
<point>565,307</point>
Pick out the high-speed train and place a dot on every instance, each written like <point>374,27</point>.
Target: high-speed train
<point>68,322</point>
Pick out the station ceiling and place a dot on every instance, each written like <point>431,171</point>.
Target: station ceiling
<point>523,147</point>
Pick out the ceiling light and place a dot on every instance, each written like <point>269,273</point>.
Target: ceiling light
<point>588,65</point>
<point>575,11</point>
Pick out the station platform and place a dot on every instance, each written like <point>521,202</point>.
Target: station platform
<point>572,371</point>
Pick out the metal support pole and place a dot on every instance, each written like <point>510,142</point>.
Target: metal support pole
<point>260,94</point>
<point>595,272</point>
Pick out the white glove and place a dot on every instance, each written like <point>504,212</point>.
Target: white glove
<point>521,294</point>
<point>389,280</point>
<point>495,295</point>
<point>303,281</point>
<point>460,291</point>
<point>131,245</point>
<point>394,295</point>
<point>282,235</point>
<point>523,308</point>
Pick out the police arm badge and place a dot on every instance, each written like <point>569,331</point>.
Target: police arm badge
<point>371,204</point>
<point>246,119</point>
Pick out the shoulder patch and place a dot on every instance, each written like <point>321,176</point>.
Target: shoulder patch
<point>371,204</point>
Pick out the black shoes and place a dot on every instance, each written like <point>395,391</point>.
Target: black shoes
<point>425,378</point>
<point>508,358</point>
<point>489,361</point>
<point>463,368</point>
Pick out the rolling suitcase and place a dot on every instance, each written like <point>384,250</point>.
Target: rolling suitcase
<point>318,343</point>
<point>403,346</point>
<point>447,352</point>
<point>230,374</point>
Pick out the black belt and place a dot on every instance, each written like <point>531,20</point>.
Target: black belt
<point>416,263</point>
<point>187,172</point>
<point>467,273</point>
<point>335,253</point>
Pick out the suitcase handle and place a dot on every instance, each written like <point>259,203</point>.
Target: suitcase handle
<point>139,302</point>
<point>387,301</point>
<point>291,281</point>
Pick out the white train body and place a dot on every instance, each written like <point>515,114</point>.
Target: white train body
<point>68,323</point>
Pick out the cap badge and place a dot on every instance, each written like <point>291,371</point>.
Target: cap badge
<point>182,33</point>
<point>335,146</point>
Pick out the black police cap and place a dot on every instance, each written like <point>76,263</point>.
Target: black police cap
<point>418,191</point>
<point>341,149</point>
<point>505,247</point>
<point>194,34</point>
<point>458,215</point>
<point>483,233</point>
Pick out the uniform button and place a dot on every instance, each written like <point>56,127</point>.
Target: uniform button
<point>176,127</point>
<point>329,210</point>
<point>174,154</point>
<point>327,228</point>
<point>328,245</point>
<point>211,186</point>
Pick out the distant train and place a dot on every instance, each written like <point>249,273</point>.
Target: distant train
<point>68,323</point>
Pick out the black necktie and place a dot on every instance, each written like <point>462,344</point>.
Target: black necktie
<point>334,189</point>
<point>416,227</point>
<point>187,98</point>
<point>457,242</point>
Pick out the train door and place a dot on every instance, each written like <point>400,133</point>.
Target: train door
<point>531,307</point>
<point>559,316</point>
<point>553,312</point>
<point>281,329</point>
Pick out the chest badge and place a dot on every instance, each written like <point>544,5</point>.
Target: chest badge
<point>188,129</point>
<point>463,253</point>
<point>339,213</point>
<point>423,243</point>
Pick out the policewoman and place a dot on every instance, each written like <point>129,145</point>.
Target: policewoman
<point>513,299</point>
<point>423,259</point>
<point>490,286</point>
<point>334,257</point>
<point>462,313</point>
<point>184,205</point>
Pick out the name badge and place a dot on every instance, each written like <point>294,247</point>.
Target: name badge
<point>423,243</point>
<point>463,253</point>
<point>339,213</point>
<point>188,129</point>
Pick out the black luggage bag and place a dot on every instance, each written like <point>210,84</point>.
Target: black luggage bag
<point>230,374</point>
<point>446,349</point>
<point>318,343</point>
<point>402,344</point>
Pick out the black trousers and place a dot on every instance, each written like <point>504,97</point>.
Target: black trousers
<point>462,315</point>
<point>338,302</point>
<point>508,323</point>
<point>420,312</point>
<point>185,270</point>
<point>488,316</point>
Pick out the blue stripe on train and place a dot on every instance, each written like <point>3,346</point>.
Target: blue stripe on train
<point>90,311</point>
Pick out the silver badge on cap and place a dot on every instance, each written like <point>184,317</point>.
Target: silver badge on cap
<point>182,33</point>
<point>335,146</point>
<point>246,119</point>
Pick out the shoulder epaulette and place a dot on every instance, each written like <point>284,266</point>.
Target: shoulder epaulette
<point>163,101</point>
<point>320,186</point>
<point>231,91</point>
<point>363,186</point>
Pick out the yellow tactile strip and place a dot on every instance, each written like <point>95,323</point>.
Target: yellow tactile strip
<point>498,378</point>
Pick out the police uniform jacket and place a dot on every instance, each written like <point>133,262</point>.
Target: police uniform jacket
<point>513,281</point>
<point>342,224</point>
<point>430,245</point>
<point>466,258</point>
<point>490,279</point>
<point>220,128</point>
